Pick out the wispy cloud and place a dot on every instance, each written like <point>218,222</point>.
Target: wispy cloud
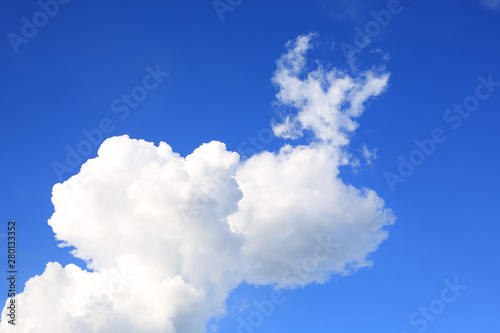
<point>491,4</point>
<point>345,9</point>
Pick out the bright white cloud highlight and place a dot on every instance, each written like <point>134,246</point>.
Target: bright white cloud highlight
<point>169,237</point>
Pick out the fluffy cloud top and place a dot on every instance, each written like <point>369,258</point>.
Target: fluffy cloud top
<point>168,237</point>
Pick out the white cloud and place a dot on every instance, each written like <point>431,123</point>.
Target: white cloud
<point>295,197</point>
<point>491,4</point>
<point>326,101</point>
<point>369,155</point>
<point>169,237</point>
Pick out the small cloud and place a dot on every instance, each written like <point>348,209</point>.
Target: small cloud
<point>386,56</point>
<point>341,10</point>
<point>491,4</point>
<point>327,101</point>
<point>369,155</point>
<point>214,328</point>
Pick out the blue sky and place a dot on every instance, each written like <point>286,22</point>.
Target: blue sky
<point>65,79</point>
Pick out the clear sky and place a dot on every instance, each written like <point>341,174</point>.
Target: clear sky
<point>412,114</point>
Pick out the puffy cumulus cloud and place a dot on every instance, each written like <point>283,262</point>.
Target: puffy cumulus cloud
<point>167,237</point>
<point>291,201</point>
<point>491,4</point>
<point>148,212</point>
<point>69,300</point>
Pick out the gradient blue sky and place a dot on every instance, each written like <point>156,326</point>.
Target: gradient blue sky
<point>66,77</point>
